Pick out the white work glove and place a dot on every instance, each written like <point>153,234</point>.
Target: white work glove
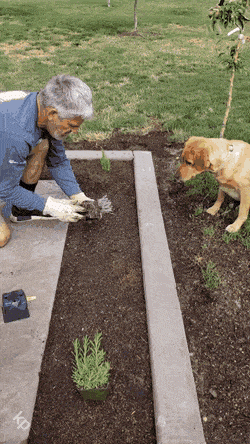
<point>63,209</point>
<point>79,198</point>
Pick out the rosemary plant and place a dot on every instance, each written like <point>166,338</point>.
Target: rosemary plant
<point>90,371</point>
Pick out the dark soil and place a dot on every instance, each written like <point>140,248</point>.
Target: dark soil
<point>100,288</point>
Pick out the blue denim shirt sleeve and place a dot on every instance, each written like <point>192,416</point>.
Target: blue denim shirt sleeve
<point>60,168</point>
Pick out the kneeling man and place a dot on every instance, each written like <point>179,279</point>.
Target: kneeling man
<point>32,129</point>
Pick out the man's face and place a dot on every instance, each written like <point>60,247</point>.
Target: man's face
<point>60,128</point>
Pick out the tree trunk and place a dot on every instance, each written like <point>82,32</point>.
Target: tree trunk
<point>109,3</point>
<point>230,92</point>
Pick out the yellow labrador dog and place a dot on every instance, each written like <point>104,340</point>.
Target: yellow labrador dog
<point>229,160</point>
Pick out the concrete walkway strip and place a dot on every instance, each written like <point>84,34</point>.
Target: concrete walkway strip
<point>32,260</point>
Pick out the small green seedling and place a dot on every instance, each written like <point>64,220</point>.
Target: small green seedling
<point>211,276</point>
<point>105,162</point>
<point>198,211</point>
<point>90,369</point>
<point>209,231</point>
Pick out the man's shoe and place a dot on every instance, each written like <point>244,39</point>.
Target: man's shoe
<point>20,215</point>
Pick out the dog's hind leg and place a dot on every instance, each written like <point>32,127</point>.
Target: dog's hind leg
<point>243,211</point>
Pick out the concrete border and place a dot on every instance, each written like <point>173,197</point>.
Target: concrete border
<point>93,155</point>
<point>176,410</point>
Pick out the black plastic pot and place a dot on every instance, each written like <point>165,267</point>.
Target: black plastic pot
<point>95,394</point>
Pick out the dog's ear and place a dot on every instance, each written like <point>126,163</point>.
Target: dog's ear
<point>197,152</point>
<point>201,158</point>
<point>187,154</point>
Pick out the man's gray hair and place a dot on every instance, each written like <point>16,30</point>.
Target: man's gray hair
<point>70,96</point>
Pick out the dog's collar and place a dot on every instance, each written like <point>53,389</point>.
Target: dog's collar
<point>226,158</point>
<point>231,150</point>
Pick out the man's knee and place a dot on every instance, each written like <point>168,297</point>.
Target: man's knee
<point>5,233</point>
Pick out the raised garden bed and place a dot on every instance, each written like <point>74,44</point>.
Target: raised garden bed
<point>100,288</point>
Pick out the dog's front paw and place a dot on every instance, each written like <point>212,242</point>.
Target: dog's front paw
<point>212,210</point>
<point>232,228</point>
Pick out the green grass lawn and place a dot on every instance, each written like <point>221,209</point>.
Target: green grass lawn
<point>170,75</point>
